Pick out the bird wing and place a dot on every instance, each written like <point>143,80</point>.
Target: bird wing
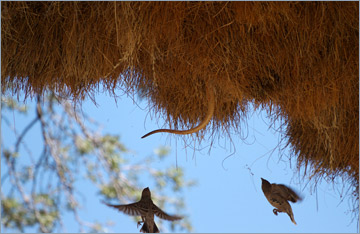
<point>286,192</point>
<point>161,214</point>
<point>130,209</point>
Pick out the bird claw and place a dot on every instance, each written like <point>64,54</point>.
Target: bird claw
<point>139,223</point>
<point>275,211</point>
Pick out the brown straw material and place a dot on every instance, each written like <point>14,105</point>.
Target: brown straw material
<point>210,93</point>
<point>299,61</point>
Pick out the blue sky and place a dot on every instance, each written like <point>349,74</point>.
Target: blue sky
<point>228,196</point>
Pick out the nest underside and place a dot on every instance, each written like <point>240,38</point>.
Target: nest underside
<point>297,60</point>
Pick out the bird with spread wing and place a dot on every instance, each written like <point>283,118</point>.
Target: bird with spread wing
<point>146,209</point>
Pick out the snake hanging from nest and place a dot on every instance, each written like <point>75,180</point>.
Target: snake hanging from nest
<point>210,112</point>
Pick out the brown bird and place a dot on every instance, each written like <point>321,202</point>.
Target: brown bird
<point>146,209</point>
<point>278,195</point>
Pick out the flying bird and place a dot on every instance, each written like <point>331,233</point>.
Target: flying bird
<point>146,209</point>
<point>278,195</point>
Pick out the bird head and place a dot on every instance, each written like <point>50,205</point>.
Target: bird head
<point>265,184</point>
<point>146,193</point>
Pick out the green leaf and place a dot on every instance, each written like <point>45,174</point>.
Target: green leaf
<point>162,151</point>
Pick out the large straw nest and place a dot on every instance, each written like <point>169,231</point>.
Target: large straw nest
<point>297,60</point>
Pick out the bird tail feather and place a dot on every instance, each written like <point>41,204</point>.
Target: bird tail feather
<point>145,228</point>
<point>292,217</point>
